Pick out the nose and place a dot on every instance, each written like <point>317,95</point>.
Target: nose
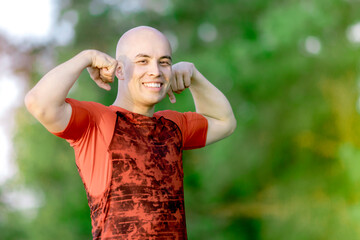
<point>154,70</point>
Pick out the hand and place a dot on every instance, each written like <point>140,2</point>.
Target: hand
<point>182,76</point>
<point>102,69</point>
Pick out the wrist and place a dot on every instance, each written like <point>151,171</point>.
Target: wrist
<point>197,79</point>
<point>85,58</point>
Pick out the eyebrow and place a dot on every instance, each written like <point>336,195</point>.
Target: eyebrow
<point>168,57</point>
<point>147,56</point>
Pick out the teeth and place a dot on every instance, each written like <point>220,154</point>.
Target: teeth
<point>153,85</point>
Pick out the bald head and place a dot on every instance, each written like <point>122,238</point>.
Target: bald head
<point>139,38</point>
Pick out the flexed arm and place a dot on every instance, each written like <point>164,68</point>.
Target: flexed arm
<point>46,101</point>
<point>209,101</point>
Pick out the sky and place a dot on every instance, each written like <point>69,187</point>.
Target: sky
<point>26,19</point>
<point>19,20</point>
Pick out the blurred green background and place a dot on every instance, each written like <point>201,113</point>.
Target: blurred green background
<point>290,70</point>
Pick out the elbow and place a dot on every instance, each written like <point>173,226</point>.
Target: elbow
<point>220,129</point>
<point>33,105</point>
<point>231,125</point>
<point>30,102</point>
<point>228,126</point>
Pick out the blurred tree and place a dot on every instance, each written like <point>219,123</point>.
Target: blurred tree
<point>290,171</point>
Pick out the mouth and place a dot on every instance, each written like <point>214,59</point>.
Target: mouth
<point>154,85</point>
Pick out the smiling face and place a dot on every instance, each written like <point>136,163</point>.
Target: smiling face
<point>145,70</point>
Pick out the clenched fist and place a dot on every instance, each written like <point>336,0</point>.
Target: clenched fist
<point>183,73</point>
<point>102,68</point>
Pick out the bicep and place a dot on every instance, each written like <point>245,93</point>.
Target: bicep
<point>56,119</point>
<point>69,120</point>
<point>218,129</point>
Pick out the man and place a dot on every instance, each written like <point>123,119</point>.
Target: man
<point>128,156</point>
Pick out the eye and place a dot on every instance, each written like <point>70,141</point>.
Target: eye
<point>165,63</point>
<point>143,61</point>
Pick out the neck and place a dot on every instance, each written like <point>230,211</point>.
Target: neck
<point>131,106</point>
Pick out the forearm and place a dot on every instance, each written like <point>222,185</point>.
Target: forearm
<point>46,101</point>
<point>53,88</point>
<point>214,106</point>
<point>210,101</point>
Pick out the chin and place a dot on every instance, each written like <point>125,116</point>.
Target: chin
<point>154,100</point>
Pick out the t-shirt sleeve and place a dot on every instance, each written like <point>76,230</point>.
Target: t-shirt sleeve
<point>79,121</point>
<point>193,127</point>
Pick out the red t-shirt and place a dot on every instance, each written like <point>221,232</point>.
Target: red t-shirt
<point>91,133</point>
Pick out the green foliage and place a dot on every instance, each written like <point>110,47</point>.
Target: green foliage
<point>291,169</point>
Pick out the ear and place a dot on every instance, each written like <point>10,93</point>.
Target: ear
<point>119,72</point>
